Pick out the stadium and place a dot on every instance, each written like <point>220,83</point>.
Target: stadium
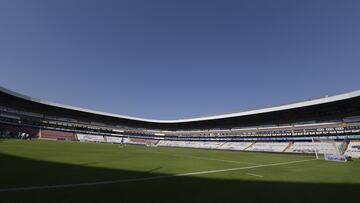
<point>294,152</point>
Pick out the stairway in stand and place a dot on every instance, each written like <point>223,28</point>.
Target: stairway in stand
<point>250,146</point>
<point>290,144</point>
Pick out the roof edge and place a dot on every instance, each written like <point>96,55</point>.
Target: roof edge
<point>300,104</point>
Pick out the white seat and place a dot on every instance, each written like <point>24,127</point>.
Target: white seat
<point>353,149</point>
<point>268,146</point>
<point>92,138</point>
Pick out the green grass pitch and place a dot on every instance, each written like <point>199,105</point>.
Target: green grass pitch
<point>56,171</point>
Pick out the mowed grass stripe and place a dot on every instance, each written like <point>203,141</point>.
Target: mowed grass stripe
<point>146,178</point>
<point>96,157</point>
<point>177,178</point>
<point>200,157</point>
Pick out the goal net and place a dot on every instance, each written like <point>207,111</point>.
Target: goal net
<point>329,150</point>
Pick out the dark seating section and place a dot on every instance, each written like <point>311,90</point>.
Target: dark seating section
<point>18,132</point>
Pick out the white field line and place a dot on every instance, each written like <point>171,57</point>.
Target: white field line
<point>144,179</point>
<point>204,158</point>
<point>253,174</point>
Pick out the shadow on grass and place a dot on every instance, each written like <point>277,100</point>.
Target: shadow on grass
<point>20,172</point>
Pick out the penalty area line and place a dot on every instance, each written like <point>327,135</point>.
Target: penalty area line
<point>253,174</point>
<point>15,189</point>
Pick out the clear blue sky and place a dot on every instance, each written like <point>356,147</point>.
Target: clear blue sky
<point>175,59</point>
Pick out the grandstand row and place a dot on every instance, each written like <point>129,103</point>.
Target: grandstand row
<point>288,128</point>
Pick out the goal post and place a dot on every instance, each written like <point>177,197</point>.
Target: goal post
<point>328,149</point>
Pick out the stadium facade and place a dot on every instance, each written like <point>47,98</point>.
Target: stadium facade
<point>277,128</point>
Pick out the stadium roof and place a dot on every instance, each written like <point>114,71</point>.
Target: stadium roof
<point>285,107</point>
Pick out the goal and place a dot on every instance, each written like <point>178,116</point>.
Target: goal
<point>328,149</point>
